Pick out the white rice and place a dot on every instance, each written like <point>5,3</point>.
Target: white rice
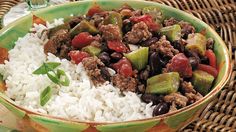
<point>80,100</point>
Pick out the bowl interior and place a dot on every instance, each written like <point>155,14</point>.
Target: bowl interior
<point>9,34</point>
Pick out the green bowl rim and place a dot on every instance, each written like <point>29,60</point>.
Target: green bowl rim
<point>210,95</point>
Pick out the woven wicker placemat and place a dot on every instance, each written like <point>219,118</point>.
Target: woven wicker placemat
<point>220,114</point>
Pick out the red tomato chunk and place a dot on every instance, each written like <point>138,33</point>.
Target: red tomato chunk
<point>212,57</point>
<point>78,56</point>
<point>124,67</point>
<point>117,45</point>
<point>209,69</point>
<point>180,64</point>
<point>93,10</point>
<point>147,19</point>
<point>81,40</point>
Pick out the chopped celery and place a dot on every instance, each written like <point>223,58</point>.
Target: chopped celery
<point>172,32</point>
<point>92,50</point>
<point>138,58</point>
<point>197,43</point>
<point>165,83</point>
<point>202,81</point>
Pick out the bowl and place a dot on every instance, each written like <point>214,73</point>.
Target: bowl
<point>28,120</point>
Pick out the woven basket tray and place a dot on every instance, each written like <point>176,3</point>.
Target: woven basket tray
<point>220,114</point>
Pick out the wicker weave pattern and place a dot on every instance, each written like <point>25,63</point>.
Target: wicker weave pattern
<point>220,114</point>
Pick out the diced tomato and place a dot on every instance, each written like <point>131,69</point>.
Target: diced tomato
<point>94,9</point>
<point>180,63</point>
<point>78,56</point>
<point>126,70</point>
<point>3,55</point>
<point>117,45</point>
<point>124,67</point>
<point>212,58</point>
<point>82,39</point>
<point>209,69</point>
<point>38,20</point>
<point>148,20</point>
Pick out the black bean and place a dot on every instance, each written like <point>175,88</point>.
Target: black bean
<point>204,60</point>
<point>179,45</point>
<point>127,26</point>
<point>116,56</point>
<point>104,57</point>
<point>160,109</point>
<point>105,74</point>
<point>149,42</point>
<point>104,47</point>
<point>190,53</point>
<point>155,99</point>
<point>155,63</point>
<point>194,62</point>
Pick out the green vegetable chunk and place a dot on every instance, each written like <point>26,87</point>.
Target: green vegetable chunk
<point>46,67</point>
<point>138,58</point>
<point>83,26</point>
<point>52,31</point>
<point>155,12</point>
<point>165,83</point>
<point>172,32</point>
<point>92,50</point>
<point>114,18</point>
<point>197,43</point>
<point>45,95</point>
<point>202,81</point>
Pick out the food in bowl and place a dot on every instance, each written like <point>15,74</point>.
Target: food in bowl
<point>109,66</point>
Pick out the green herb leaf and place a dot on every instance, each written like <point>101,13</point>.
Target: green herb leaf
<point>62,74</point>
<point>45,95</point>
<point>46,67</point>
<point>54,78</point>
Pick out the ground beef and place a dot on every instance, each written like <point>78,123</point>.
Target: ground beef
<point>177,99</point>
<point>50,47</point>
<point>164,47</point>
<point>111,32</point>
<point>141,88</point>
<point>186,28</point>
<point>62,37</point>
<point>97,20</point>
<point>93,67</point>
<point>173,107</point>
<point>170,22</point>
<point>193,97</point>
<point>96,44</point>
<point>64,50</point>
<point>124,83</point>
<point>144,74</point>
<point>138,33</point>
<point>187,87</point>
<point>190,92</point>
<point>59,44</point>
<point>75,20</point>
